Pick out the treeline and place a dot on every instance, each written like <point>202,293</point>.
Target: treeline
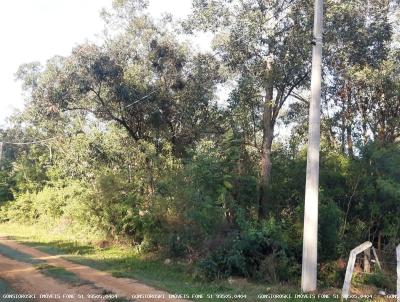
<point>131,142</point>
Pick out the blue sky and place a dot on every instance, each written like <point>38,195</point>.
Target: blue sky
<point>36,30</point>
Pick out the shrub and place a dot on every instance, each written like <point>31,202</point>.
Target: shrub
<point>275,267</point>
<point>328,230</point>
<point>332,273</point>
<point>381,280</point>
<point>258,252</point>
<point>21,209</point>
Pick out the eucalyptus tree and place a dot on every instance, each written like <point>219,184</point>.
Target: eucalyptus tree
<point>142,78</point>
<point>358,37</point>
<point>378,97</point>
<point>266,43</point>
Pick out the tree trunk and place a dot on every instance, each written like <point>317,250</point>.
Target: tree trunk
<point>379,243</point>
<point>150,175</point>
<point>349,117</point>
<point>367,258</point>
<point>362,107</point>
<point>266,164</point>
<point>343,129</point>
<point>349,141</point>
<point>364,131</point>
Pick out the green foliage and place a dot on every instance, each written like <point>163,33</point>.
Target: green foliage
<point>381,280</point>
<point>47,206</point>
<point>6,183</point>
<point>139,148</point>
<point>332,274</point>
<point>379,188</point>
<point>259,252</point>
<point>21,209</point>
<point>29,170</point>
<point>330,217</point>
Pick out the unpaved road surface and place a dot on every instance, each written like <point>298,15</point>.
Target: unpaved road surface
<point>26,279</point>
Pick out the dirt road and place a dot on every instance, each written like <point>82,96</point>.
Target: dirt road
<point>20,268</point>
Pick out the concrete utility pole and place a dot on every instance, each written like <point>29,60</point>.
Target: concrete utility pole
<point>1,152</point>
<point>310,235</point>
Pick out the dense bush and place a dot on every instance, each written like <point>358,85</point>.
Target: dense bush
<point>258,252</point>
<point>48,205</point>
<point>332,273</point>
<point>330,217</point>
<point>381,280</point>
<point>203,208</point>
<point>21,209</point>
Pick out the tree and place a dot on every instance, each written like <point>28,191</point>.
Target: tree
<point>143,79</point>
<point>358,42</point>
<point>268,43</point>
<point>378,97</point>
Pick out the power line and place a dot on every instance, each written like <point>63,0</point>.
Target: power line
<point>3,143</point>
<point>141,99</point>
<point>28,143</point>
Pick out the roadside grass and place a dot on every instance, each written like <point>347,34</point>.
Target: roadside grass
<point>61,274</point>
<point>58,273</point>
<point>176,278</point>
<point>19,256</point>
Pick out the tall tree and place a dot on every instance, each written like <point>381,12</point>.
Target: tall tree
<point>265,41</point>
<point>358,38</point>
<point>141,78</point>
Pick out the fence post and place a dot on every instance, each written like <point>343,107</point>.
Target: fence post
<point>367,259</point>
<point>350,267</point>
<point>376,258</point>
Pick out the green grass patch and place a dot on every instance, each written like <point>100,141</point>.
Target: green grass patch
<point>120,261</point>
<point>58,273</point>
<point>61,274</point>
<point>18,256</point>
<point>57,246</point>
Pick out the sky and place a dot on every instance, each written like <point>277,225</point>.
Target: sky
<point>36,30</point>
